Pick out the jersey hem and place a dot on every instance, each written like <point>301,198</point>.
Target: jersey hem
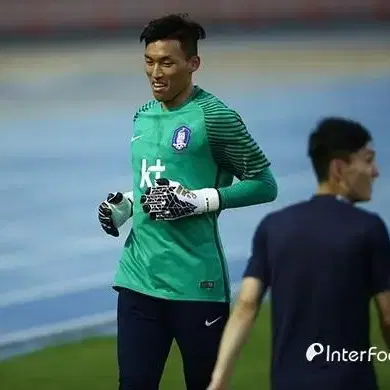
<point>167,296</point>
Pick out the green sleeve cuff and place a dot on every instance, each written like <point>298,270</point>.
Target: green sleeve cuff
<point>261,189</point>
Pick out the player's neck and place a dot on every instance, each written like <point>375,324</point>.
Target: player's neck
<point>180,99</point>
<point>327,188</point>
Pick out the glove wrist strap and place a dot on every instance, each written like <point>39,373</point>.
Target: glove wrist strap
<point>129,195</point>
<point>211,199</point>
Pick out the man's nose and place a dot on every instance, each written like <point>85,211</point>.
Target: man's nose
<point>157,71</point>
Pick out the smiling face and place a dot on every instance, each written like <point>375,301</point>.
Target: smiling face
<point>169,70</point>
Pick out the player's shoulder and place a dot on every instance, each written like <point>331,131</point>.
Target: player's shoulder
<point>366,222</point>
<point>149,106</point>
<point>215,110</point>
<point>370,219</point>
<point>317,205</point>
<point>358,215</point>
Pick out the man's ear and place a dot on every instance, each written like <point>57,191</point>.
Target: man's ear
<point>193,64</point>
<point>336,169</point>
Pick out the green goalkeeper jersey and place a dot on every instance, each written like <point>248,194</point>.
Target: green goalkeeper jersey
<point>201,144</point>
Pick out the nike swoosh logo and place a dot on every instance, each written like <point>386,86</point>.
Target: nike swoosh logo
<point>209,323</point>
<point>135,138</point>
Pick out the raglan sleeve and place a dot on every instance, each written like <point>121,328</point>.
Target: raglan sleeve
<point>236,152</point>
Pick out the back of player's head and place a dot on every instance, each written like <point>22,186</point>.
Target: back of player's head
<point>175,27</point>
<point>335,138</point>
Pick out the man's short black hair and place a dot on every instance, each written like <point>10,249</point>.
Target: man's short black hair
<point>175,27</point>
<point>335,137</point>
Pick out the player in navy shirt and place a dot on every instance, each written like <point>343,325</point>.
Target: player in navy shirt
<point>324,260</point>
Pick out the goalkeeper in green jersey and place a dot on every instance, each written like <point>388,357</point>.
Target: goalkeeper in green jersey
<point>186,148</point>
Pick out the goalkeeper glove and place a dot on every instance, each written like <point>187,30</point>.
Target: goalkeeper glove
<point>169,200</point>
<point>115,211</point>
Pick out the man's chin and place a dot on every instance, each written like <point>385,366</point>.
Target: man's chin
<point>161,97</point>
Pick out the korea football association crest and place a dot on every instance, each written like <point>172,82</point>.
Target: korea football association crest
<point>181,138</point>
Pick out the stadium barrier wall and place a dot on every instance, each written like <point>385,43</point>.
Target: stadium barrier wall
<point>45,16</point>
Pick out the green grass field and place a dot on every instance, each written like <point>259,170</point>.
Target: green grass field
<point>91,364</point>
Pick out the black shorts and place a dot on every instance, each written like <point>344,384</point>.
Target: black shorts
<point>147,327</point>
